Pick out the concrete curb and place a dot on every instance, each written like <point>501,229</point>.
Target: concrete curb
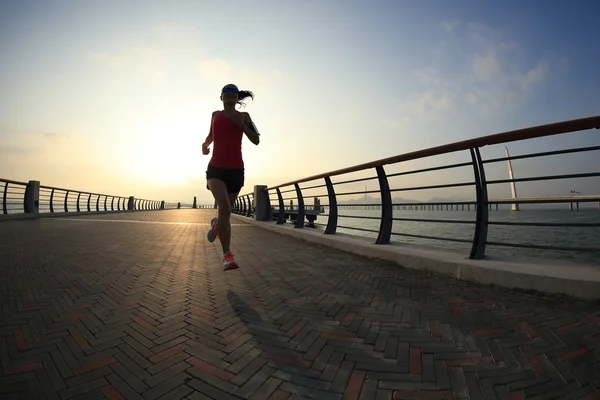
<point>547,276</point>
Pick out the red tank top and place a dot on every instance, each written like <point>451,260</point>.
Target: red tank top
<point>227,143</point>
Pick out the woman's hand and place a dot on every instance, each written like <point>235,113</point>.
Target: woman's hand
<point>205,149</point>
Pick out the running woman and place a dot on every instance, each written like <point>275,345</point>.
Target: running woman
<point>225,172</point>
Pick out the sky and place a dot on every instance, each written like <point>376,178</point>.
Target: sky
<point>116,96</point>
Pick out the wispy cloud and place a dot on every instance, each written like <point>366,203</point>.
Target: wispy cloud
<point>450,25</point>
<point>173,29</point>
<point>221,72</point>
<point>147,61</point>
<point>7,150</point>
<point>491,74</point>
<point>215,69</point>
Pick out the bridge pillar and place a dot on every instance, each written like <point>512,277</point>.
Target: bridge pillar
<point>31,204</point>
<point>262,204</point>
<point>131,203</point>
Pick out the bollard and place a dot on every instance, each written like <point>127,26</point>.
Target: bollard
<point>262,204</point>
<point>31,202</point>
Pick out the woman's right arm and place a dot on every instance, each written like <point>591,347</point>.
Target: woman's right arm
<point>209,138</point>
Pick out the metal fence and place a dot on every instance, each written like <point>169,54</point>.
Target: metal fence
<point>18,198</point>
<point>478,183</point>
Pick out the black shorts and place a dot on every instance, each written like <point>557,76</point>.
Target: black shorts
<point>233,178</point>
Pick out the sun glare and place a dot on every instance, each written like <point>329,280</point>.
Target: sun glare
<point>167,149</point>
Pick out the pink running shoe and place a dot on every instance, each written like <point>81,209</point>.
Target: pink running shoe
<point>212,233</point>
<point>228,262</point>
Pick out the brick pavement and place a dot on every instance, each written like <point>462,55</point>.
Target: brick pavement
<point>107,307</point>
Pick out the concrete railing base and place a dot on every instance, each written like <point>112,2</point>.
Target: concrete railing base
<point>546,276</point>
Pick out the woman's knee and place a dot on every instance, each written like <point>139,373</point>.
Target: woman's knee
<point>224,209</point>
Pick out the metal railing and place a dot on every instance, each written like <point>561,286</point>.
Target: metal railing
<point>479,184</point>
<point>17,198</point>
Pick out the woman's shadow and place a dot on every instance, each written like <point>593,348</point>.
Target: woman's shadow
<point>269,340</point>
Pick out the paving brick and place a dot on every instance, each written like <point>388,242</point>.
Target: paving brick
<point>267,389</point>
<point>161,320</point>
<point>170,385</point>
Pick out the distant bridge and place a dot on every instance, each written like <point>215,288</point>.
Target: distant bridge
<point>493,203</point>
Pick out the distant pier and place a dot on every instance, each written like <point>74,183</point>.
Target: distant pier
<point>573,202</point>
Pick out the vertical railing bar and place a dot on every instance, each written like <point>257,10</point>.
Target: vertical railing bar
<point>281,216</point>
<point>332,220</point>
<point>66,199</point>
<point>4,198</point>
<point>52,201</point>
<point>249,213</point>
<point>25,206</point>
<point>301,211</point>
<point>385,229</point>
<point>78,197</point>
<point>482,213</point>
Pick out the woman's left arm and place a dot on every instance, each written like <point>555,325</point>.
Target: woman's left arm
<point>250,129</point>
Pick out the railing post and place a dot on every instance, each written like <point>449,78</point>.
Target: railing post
<point>179,205</point>
<point>88,202</point>
<point>385,229</point>
<point>482,212</point>
<point>300,216</point>
<point>98,203</point>
<point>4,197</point>
<point>281,216</point>
<point>105,199</point>
<point>249,211</point>
<point>31,201</point>
<point>243,210</point>
<point>66,199</point>
<point>262,204</point>
<point>52,201</point>
<point>78,197</point>
<point>162,205</point>
<point>195,203</point>
<point>131,203</point>
<point>333,209</point>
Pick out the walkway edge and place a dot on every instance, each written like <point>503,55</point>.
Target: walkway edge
<point>540,275</point>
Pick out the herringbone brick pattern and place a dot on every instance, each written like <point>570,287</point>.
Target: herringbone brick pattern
<point>136,306</point>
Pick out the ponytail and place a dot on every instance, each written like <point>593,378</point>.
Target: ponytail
<point>244,94</point>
